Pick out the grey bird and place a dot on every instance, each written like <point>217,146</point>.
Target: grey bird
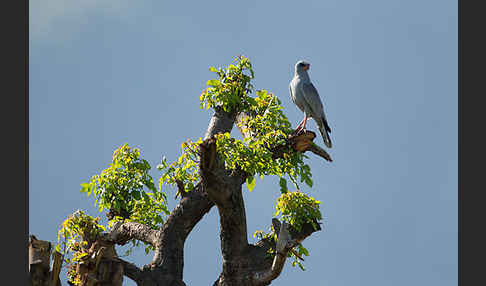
<point>306,97</point>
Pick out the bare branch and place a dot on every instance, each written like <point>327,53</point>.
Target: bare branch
<point>131,270</point>
<point>122,232</point>
<point>319,151</point>
<point>221,122</point>
<point>287,239</point>
<point>303,141</point>
<point>169,253</point>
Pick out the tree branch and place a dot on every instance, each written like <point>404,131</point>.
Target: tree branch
<point>122,232</point>
<point>224,188</point>
<point>221,122</point>
<point>166,267</point>
<point>216,180</point>
<point>287,239</point>
<point>301,142</point>
<point>131,270</point>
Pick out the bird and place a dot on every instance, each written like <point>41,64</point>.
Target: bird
<point>305,96</point>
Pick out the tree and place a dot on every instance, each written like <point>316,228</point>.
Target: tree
<point>210,172</point>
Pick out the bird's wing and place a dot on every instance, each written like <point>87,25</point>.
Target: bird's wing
<point>312,98</point>
<point>314,101</point>
<point>296,95</point>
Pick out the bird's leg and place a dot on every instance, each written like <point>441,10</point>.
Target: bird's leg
<point>305,122</point>
<point>302,124</point>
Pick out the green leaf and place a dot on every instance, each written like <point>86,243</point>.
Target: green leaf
<point>283,185</point>
<point>213,82</point>
<point>213,69</point>
<point>305,252</point>
<point>309,182</point>
<point>136,195</point>
<point>250,183</point>
<point>84,187</point>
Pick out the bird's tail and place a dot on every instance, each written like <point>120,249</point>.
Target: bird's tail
<point>324,129</point>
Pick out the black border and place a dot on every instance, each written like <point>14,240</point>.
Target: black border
<point>14,138</point>
<point>471,143</point>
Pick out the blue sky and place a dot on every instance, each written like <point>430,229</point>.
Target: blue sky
<point>103,73</point>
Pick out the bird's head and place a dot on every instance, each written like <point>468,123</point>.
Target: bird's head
<point>302,66</point>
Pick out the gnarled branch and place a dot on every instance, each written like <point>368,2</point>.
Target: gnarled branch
<point>122,232</point>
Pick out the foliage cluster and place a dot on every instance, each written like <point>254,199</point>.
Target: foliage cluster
<point>184,170</point>
<point>122,188</point>
<point>230,90</point>
<point>297,209</point>
<point>77,232</point>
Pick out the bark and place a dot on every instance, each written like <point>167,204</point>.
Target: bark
<point>39,260</point>
<point>39,263</point>
<point>56,268</point>
<point>123,232</point>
